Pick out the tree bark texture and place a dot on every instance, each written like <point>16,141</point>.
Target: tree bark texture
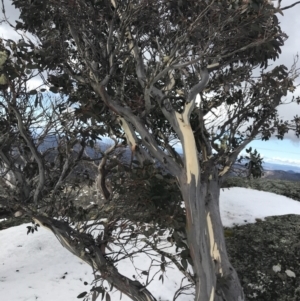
<point>216,279</point>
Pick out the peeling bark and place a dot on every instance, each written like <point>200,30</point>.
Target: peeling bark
<point>132,140</point>
<point>228,286</point>
<point>215,278</point>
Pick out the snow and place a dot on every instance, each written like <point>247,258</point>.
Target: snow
<point>37,267</point>
<point>239,206</point>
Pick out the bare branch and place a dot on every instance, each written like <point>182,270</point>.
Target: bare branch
<point>89,252</point>
<point>290,6</point>
<point>35,154</point>
<point>173,259</point>
<point>198,88</point>
<point>146,137</point>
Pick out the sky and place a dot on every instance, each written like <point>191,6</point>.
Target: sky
<point>285,151</point>
<point>36,267</point>
<point>273,151</point>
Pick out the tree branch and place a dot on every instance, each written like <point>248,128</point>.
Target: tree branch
<point>147,138</point>
<point>173,259</point>
<point>198,88</point>
<point>34,152</point>
<point>133,142</point>
<point>83,246</point>
<point>290,6</point>
<point>233,156</point>
<point>101,178</point>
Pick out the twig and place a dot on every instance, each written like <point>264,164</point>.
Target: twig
<point>290,6</point>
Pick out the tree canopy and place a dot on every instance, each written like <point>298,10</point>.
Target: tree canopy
<point>141,51</point>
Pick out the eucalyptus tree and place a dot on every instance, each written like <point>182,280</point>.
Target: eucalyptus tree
<point>158,72</point>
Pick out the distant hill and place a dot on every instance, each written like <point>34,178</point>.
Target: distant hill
<point>281,175</point>
<point>284,167</point>
<point>271,170</point>
<point>239,170</point>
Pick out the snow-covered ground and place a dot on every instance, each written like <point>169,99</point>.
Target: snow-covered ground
<point>37,267</point>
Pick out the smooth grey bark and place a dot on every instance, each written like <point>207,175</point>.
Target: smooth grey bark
<point>216,279</point>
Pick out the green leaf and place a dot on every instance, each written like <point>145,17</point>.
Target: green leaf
<point>53,89</point>
<point>81,295</point>
<point>145,273</point>
<point>185,254</point>
<point>95,296</point>
<point>91,143</point>
<point>158,176</point>
<point>190,261</point>
<point>32,92</point>
<point>184,263</point>
<point>31,66</point>
<point>36,100</point>
<point>98,289</point>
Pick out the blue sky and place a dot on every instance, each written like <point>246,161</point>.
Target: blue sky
<point>285,151</point>
<point>278,151</point>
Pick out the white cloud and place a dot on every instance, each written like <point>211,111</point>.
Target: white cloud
<point>282,160</point>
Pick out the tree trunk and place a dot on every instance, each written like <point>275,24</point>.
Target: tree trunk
<point>216,279</point>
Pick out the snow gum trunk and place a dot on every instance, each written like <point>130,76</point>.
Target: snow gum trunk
<point>215,278</point>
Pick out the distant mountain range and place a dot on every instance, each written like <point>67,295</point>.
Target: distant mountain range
<point>271,170</point>
<point>281,175</point>
<point>281,172</point>
<point>288,168</point>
